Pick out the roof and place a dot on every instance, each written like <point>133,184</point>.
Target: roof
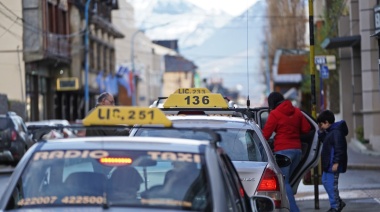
<point>178,64</point>
<point>212,122</point>
<point>289,66</point>
<point>340,42</point>
<point>171,44</point>
<point>122,142</point>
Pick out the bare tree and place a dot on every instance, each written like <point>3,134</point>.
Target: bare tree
<point>286,25</point>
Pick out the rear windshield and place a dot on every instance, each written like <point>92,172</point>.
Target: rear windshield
<point>239,144</point>
<point>116,178</point>
<point>3,123</point>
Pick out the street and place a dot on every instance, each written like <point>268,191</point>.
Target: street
<point>359,187</point>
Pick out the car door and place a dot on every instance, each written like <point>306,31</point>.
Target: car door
<point>311,147</point>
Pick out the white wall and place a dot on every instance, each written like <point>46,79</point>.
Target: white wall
<point>12,71</point>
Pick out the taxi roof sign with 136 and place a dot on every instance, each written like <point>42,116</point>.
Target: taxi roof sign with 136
<point>208,100</point>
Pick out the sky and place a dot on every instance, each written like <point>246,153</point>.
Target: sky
<point>233,7</point>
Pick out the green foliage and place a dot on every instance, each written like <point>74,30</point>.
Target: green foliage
<point>360,135</point>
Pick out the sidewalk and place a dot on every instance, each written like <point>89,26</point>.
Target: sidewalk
<point>366,198</point>
<point>361,157</point>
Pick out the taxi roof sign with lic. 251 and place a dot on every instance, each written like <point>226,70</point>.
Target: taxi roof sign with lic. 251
<point>126,115</point>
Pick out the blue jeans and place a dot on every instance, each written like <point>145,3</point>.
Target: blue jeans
<point>295,158</point>
<point>330,182</point>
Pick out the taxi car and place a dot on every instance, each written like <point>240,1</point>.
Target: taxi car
<point>136,173</point>
<point>242,139</point>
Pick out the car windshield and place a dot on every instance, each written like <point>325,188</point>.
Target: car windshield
<point>115,178</point>
<point>239,144</point>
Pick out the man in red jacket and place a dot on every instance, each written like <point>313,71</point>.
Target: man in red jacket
<point>288,123</point>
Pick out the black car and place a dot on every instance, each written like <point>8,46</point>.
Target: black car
<point>15,139</point>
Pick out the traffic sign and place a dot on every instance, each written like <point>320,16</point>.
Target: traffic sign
<point>320,60</point>
<point>329,60</point>
<point>324,72</point>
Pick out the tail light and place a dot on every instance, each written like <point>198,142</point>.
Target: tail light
<point>13,135</point>
<point>269,186</point>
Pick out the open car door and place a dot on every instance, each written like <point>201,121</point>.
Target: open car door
<point>311,147</point>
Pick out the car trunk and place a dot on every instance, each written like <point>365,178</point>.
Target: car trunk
<point>250,173</point>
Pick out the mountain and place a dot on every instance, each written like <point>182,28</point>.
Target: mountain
<point>224,54</point>
<point>177,19</point>
<point>216,42</point>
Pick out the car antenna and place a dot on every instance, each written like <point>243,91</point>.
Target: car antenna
<point>248,101</point>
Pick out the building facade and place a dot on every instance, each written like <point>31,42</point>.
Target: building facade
<point>359,71</point>
<point>46,55</point>
<point>54,55</point>
<point>12,84</point>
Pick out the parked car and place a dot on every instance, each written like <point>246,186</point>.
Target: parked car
<point>36,129</point>
<point>117,173</point>
<point>15,139</point>
<point>242,139</point>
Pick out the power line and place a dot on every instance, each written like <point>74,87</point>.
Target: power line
<point>34,28</point>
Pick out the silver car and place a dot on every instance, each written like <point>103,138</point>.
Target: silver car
<point>211,110</point>
<point>245,145</point>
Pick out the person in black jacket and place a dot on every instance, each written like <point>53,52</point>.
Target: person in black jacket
<point>106,99</point>
<point>333,156</point>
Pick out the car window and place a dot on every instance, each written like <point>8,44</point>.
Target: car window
<point>94,177</point>
<point>240,144</point>
<point>3,123</point>
<point>233,189</point>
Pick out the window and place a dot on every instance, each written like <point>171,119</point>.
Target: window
<point>239,144</point>
<point>141,178</point>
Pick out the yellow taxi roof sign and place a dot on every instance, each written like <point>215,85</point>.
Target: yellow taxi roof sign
<point>126,115</point>
<point>209,100</point>
<point>192,91</point>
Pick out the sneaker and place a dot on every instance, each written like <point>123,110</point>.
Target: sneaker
<point>333,210</point>
<point>341,205</point>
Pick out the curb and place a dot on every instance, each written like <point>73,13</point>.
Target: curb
<point>363,148</point>
<point>363,167</point>
<point>357,146</point>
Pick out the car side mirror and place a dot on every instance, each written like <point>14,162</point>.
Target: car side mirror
<point>282,160</point>
<point>262,203</point>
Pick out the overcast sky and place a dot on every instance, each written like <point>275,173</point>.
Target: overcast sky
<point>233,7</point>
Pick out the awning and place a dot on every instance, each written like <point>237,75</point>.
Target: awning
<point>340,42</point>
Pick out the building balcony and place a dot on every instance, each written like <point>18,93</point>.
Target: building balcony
<point>57,46</point>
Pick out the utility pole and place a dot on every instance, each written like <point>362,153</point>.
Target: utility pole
<point>315,174</point>
<point>86,66</point>
<point>267,69</point>
<point>134,93</point>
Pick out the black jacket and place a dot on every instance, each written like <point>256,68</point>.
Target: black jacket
<point>334,149</point>
<point>106,132</point>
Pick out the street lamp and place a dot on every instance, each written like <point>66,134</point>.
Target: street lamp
<point>134,94</point>
<point>86,43</point>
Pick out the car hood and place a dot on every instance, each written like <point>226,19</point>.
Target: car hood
<point>91,209</point>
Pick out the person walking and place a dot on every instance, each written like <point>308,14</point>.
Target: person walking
<point>106,99</point>
<point>288,123</point>
<point>333,155</point>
